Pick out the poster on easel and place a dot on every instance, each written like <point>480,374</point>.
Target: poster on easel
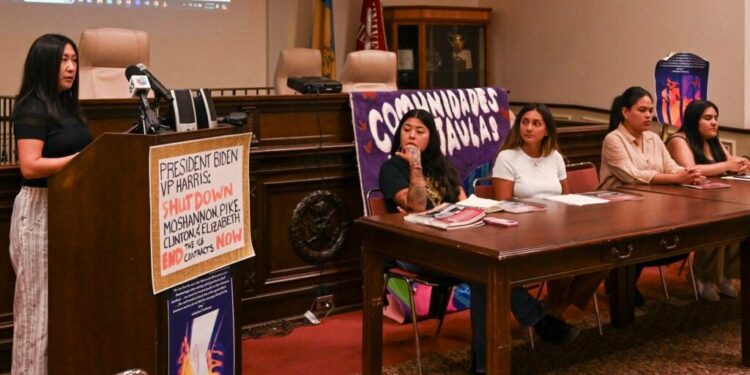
<point>201,326</point>
<point>680,79</point>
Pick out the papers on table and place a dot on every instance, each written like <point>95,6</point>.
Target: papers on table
<point>576,199</point>
<point>613,196</point>
<point>738,178</point>
<point>708,185</point>
<point>489,205</point>
<point>449,216</point>
<point>515,206</point>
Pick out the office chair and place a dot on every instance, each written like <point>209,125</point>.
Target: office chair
<point>296,62</point>
<point>369,70</point>
<point>103,55</point>
<point>444,285</point>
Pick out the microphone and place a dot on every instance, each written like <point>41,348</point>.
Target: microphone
<point>159,89</point>
<point>138,86</point>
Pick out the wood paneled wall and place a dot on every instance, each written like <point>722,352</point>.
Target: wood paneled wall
<point>304,144</point>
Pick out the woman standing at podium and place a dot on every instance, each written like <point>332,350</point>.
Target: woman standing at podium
<point>50,130</point>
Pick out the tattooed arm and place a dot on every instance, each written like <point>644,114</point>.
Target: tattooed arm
<point>413,198</point>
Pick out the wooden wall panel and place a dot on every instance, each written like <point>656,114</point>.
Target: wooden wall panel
<point>10,182</point>
<point>304,144</point>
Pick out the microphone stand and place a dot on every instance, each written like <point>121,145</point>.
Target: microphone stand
<point>149,122</point>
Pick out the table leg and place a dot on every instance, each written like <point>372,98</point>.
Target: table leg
<point>372,312</point>
<point>745,303</point>
<point>620,287</point>
<point>498,321</point>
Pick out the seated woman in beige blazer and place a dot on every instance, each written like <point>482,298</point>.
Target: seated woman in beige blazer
<point>633,154</point>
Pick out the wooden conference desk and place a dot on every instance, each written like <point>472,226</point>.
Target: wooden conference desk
<point>738,192</point>
<point>561,241</point>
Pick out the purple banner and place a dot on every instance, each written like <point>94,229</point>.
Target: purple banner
<point>472,123</point>
<point>680,79</point>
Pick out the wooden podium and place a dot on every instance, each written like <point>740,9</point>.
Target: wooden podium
<point>103,315</point>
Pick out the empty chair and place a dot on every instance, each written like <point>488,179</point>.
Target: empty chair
<point>369,70</point>
<point>296,62</point>
<point>103,55</point>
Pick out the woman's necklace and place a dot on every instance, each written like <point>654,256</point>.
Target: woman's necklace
<point>534,160</point>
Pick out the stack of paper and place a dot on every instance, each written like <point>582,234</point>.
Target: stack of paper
<point>576,199</point>
<point>449,216</point>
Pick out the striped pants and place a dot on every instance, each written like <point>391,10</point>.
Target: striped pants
<point>28,254</point>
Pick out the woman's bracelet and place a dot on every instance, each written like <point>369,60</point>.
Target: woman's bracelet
<point>415,166</point>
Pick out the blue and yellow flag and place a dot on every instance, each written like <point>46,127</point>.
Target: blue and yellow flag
<point>322,36</point>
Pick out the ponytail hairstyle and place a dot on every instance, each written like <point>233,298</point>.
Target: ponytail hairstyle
<point>434,163</point>
<point>695,140</point>
<point>627,100</point>
<point>549,143</point>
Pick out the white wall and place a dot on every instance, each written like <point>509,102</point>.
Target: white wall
<point>588,51</point>
<point>290,25</point>
<point>556,51</point>
<point>189,48</point>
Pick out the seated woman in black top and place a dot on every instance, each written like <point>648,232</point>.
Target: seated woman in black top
<point>697,145</point>
<point>418,177</point>
<point>50,131</point>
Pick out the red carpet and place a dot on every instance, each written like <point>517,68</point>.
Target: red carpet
<point>334,346</point>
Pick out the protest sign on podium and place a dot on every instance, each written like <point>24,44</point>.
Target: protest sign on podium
<point>116,221</point>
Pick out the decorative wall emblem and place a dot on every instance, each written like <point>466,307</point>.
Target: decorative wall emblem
<point>319,227</point>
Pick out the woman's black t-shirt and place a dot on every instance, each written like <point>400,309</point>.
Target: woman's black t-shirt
<point>394,177</point>
<point>32,121</point>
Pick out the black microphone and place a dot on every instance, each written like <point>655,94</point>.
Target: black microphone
<point>132,71</point>
<point>159,89</point>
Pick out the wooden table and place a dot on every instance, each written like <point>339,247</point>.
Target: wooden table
<point>738,192</point>
<point>561,241</point>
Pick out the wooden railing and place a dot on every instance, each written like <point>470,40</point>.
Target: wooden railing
<point>8,154</point>
<point>242,91</point>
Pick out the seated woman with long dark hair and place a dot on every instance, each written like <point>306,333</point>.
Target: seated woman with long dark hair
<point>696,145</point>
<point>418,177</point>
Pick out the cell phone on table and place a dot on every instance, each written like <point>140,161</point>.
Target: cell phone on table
<point>500,221</point>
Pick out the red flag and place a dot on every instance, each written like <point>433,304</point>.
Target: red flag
<point>371,33</point>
